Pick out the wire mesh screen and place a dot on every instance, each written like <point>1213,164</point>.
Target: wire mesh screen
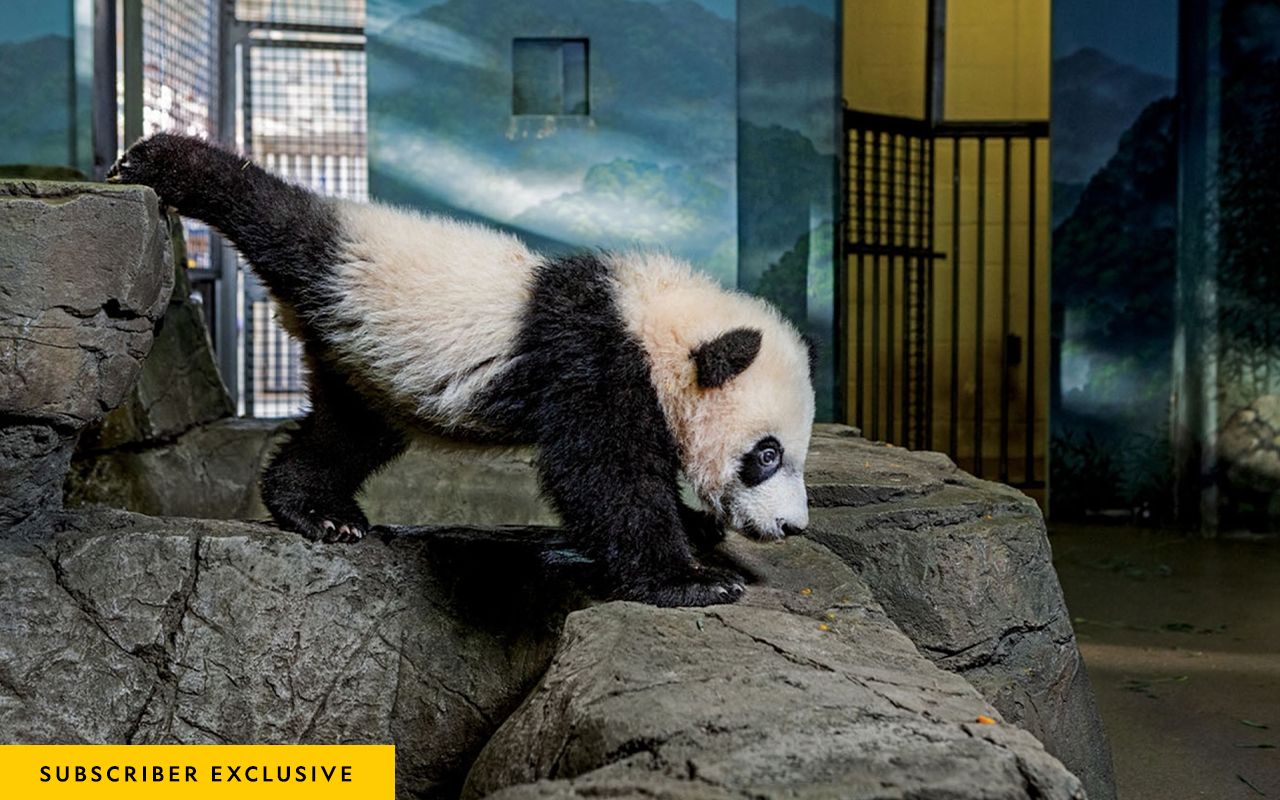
<point>179,52</point>
<point>335,13</point>
<point>305,116</point>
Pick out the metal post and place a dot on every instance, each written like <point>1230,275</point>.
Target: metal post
<point>106,142</point>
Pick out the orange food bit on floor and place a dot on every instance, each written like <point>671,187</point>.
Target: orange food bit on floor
<point>986,720</point>
<point>806,591</point>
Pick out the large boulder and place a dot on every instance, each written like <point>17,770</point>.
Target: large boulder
<point>757,700</point>
<point>86,273</point>
<point>429,638</point>
<point>120,628</point>
<point>964,568</point>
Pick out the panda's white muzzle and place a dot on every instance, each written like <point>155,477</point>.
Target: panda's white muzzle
<point>776,508</point>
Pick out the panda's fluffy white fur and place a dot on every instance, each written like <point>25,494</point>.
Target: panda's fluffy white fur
<point>625,369</point>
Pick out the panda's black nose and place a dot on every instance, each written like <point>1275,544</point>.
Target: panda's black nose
<point>791,530</point>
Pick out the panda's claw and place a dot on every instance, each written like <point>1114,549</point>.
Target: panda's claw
<point>329,528</point>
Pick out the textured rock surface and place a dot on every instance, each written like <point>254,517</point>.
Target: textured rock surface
<point>1249,445</point>
<point>964,568</point>
<point>745,701</point>
<point>221,632</point>
<point>121,628</point>
<point>86,273</point>
<point>179,386</point>
<point>211,471</point>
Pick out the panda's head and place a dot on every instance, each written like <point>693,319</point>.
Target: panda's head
<point>733,378</point>
<point>745,444</point>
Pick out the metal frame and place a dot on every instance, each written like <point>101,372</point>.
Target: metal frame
<point>890,264</point>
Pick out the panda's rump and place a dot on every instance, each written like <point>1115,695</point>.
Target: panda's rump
<point>426,309</point>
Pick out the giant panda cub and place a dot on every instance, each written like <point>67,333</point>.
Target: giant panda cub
<point>624,369</point>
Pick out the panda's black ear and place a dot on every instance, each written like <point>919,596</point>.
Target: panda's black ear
<point>726,356</point>
<point>812,345</point>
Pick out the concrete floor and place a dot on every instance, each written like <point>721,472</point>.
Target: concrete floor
<point>1181,639</point>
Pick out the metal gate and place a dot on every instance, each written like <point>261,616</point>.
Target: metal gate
<point>946,276</point>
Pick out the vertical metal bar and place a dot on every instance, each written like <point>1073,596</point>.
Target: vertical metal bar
<point>840,330</point>
<point>1006,299</point>
<point>132,21</point>
<point>926,244</point>
<point>923,299</point>
<point>911,289</point>
<point>876,168</point>
<point>954,411</point>
<point>250,371</point>
<point>980,288</point>
<point>904,220</point>
<point>860,180</point>
<point>1029,469</point>
<point>891,223</point>
<point>106,141</point>
<point>231,38</point>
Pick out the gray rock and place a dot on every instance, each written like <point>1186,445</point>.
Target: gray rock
<point>179,386</point>
<point>120,628</point>
<point>1249,446</point>
<point>964,568</point>
<point>743,701</point>
<point>222,632</point>
<point>87,272</point>
<point>211,471</point>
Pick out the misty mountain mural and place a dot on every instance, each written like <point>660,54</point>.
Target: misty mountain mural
<point>651,164</point>
<point>1095,100</point>
<point>1113,278</point>
<point>36,112</point>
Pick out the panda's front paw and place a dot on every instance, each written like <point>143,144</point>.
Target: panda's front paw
<point>695,586</point>
<point>166,162</point>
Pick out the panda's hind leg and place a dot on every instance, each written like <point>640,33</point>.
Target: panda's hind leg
<point>311,483</point>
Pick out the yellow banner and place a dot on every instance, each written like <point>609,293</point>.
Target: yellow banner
<point>33,772</point>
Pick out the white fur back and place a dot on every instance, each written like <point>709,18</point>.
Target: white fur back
<point>430,306</point>
<point>673,310</point>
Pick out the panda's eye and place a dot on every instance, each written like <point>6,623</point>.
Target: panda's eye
<point>761,462</point>
<point>768,456</point>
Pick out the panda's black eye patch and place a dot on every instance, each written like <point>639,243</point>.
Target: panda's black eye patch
<point>759,464</point>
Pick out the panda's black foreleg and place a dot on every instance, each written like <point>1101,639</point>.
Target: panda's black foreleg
<point>311,483</point>
<point>610,467</point>
<point>703,529</point>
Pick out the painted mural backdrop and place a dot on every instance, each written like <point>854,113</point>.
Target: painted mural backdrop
<point>1114,161</point>
<point>652,163</point>
<point>706,128</point>
<point>788,135</point>
<point>37,108</point>
<point>1165,261</point>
